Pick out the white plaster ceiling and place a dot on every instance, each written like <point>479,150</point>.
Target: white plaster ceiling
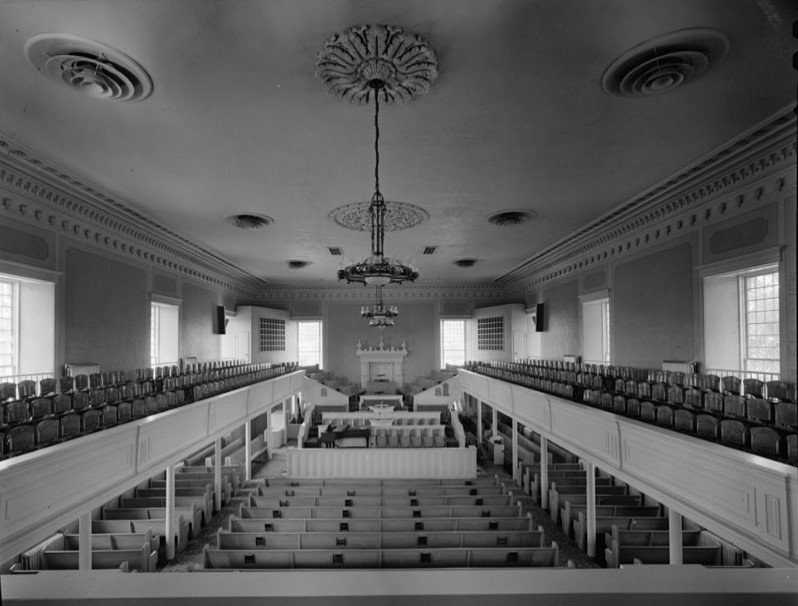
<point>517,119</point>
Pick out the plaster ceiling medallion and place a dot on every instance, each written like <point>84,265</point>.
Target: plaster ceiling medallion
<point>511,218</point>
<point>89,67</point>
<point>249,220</point>
<point>398,216</point>
<point>465,262</point>
<point>353,59</point>
<point>665,63</point>
<point>296,264</point>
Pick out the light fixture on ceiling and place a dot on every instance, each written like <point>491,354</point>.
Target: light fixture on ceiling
<point>378,61</point>
<point>379,315</point>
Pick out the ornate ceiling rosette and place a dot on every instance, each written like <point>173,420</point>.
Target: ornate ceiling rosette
<point>353,59</point>
<point>398,216</point>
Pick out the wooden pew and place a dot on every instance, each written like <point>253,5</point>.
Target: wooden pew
<point>156,527</point>
<point>648,537</point>
<point>202,503</point>
<point>142,559</point>
<point>571,512</point>
<point>616,555</point>
<point>255,540</point>
<point>529,556</point>
<point>191,514</point>
<point>116,540</point>
<point>604,525</point>
<point>558,496</point>
<point>237,524</point>
<point>415,558</point>
<point>579,503</point>
<point>227,488</point>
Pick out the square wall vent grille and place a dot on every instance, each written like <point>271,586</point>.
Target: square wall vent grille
<point>335,250</point>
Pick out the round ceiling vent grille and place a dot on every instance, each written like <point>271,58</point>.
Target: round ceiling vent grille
<point>298,264</point>
<point>511,218</point>
<point>89,67</point>
<point>665,63</point>
<point>465,262</point>
<point>249,221</point>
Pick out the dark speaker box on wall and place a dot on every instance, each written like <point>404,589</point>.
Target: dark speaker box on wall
<point>220,320</point>
<point>538,317</point>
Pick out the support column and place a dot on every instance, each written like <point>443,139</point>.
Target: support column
<point>544,472</point>
<point>590,470</point>
<point>84,538</point>
<point>248,450</point>
<point>217,474</point>
<point>674,536</point>
<point>171,529</point>
<point>515,450</point>
<point>479,421</point>
<point>494,422</point>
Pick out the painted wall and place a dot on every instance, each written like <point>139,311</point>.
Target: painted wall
<point>652,308</point>
<point>107,311</point>
<point>560,334</point>
<point>417,324</point>
<point>197,314</point>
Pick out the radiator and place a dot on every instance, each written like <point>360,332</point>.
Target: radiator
<point>731,554</point>
<point>73,370</point>
<point>32,559</point>
<point>687,368</point>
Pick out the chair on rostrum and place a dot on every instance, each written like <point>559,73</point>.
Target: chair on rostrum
<point>759,410</point>
<point>66,384</point>
<point>664,415</point>
<point>21,438</point>
<point>139,408</point>
<point>713,402</point>
<point>730,385</point>
<point>643,389</point>
<point>8,392</point>
<point>26,389</point>
<point>41,408</point>
<point>778,391</point>
<point>97,397</point>
<point>415,438</point>
<point>393,439</point>
<point>16,412</point>
<point>630,387</point>
<point>734,433</point>
<point>693,398</point>
<point>48,431</point>
<point>619,404</point>
<point>766,441</point>
<point>785,415</point>
<point>150,405</point>
<point>96,380</point>
<point>792,448</point>
<point>676,394</point>
<point>648,411</point>
<point>70,425</point>
<point>659,392</point>
<point>124,412</point>
<point>62,403</point>
<point>48,387</point>
<point>684,420</point>
<point>633,407</point>
<point>734,406</point>
<point>80,400</point>
<point>110,415</point>
<point>404,440</point>
<point>677,378</point>
<point>707,426</point>
<point>709,382</point>
<point>90,420</point>
<point>606,400</point>
<point>162,401</point>
<point>753,388</point>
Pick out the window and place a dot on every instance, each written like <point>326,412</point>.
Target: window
<point>27,328</point>
<point>761,322</point>
<point>490,333</point>
<point>596,328</point>
<point>742,322</point>
<point>272,334</point>
<point>164,333</point>
<point>309,343</point>
<point>452,342</point>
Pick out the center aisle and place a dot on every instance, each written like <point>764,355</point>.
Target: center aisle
<point>191,558</point>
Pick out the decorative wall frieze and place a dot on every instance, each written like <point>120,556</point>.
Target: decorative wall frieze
<point>405,292</point>
<point>735,179</point>
<point>39,193</point>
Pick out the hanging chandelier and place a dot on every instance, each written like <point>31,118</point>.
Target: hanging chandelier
<point>379,315</point>
<point>378,270</point>
<point>379,62</point>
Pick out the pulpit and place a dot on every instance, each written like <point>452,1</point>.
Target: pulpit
<point>381,367</point>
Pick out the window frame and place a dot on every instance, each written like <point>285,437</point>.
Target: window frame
<point>604,299</point>
<point>443,348</point>
<point>320,328</point>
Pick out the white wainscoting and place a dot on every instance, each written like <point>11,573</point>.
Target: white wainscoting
<point>43,490</point>
<point>750,500</point>
<point>382,463</point>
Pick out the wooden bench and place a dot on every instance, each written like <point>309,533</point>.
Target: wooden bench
<point>227,488</point>
<point>238,524</point>
<point>604,525</point>
<point>579,503</point>
<point>201,503</point>
<point>116,540</point>
<point>157,527</point>
<point>191,514</point>
<point>571,512</point>
<point>616,555</point>
<point>142,559</point>
<point>648,537</point>
<point>558,496</point>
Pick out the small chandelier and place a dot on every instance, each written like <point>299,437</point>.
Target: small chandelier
<point>378,270</point>
<point>379,315</point>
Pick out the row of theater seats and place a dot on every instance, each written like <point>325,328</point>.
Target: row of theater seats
<point>129,532</point>
<point>765,426</point>
<point>630,527</point>
<point>380,524</point>
<point>70,407</point>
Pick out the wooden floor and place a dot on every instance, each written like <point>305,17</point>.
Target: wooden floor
<point>191,558</point>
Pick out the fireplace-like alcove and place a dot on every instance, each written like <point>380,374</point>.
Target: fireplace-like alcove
<point>381,368</point>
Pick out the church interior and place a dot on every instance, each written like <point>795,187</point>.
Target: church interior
<point>398,302</point>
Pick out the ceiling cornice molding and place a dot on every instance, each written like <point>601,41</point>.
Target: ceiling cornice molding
<point>650,232</point>
<point>399,293</point>
<point>752,157</point>
<point>66,204</point>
